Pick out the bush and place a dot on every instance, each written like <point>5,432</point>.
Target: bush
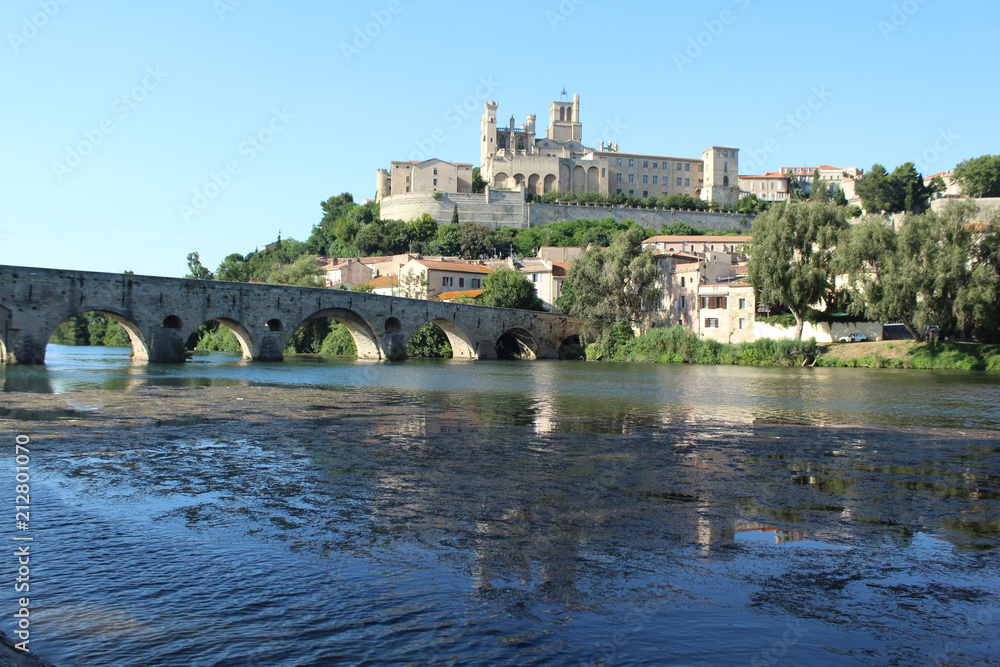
<point>339,342</point>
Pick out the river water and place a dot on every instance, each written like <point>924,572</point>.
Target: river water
<point>324,512</point>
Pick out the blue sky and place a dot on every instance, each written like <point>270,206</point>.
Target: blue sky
<point>136,132</point>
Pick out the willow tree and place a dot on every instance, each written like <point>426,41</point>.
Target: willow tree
<point>611,285</point>
<point>791,255</point>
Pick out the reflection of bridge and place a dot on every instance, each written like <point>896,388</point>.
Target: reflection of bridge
<point>160,313</point>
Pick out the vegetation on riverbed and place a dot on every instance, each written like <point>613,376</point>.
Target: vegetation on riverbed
<point>948,355</point>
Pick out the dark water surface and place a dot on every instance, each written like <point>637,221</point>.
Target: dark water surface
<point>514,513</point>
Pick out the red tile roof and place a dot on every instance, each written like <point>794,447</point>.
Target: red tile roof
<point>457,267</point>
<point>471,293</point>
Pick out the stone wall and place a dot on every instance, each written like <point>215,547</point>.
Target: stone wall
<point>823,332</point>
<point>501,208</point>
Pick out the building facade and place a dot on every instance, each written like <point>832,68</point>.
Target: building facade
<point>770,186</point>
<point>427,176</point>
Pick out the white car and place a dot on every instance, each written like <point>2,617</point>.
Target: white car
<point>855,337</point>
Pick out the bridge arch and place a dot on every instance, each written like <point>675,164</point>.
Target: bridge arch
<point>5,316</point>
<point>360,329</point>
<point>248,345</point>
<point>140,346</point>
<point>460,341</point>
<point>516,343</point>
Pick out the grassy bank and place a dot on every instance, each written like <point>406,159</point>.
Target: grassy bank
<point>678,345</point>
<point>911,354</point>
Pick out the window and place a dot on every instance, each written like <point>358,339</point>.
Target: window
<point>446,281</point>
<point>687,182</point>
<point>631,162</point>
<point>645,193</point>
<point>435,171</point>
<point>631,178</point>
<point>619,191</point>
<point>654,180</point>
<point>683,302</point>
<point>603,170</point>
<point>711,323</point>
<point>725,167</point>
<point>435,181</point>
<point>619,162</point>
<point>682,281</point>
<point>687,166</point>
<point>655,164</point>
<point>743,305</point>
<point>743,323</point>
<point>534,277</point>
<point>631,193</point>
<point>461,282</point>
<point>680,181</point>
<point>475,283</point>
<point>618,177</point>
<point>645,164</point>
<point>725,153</point>
<point>679,166</point>
<point>713,302</point>
<point>645,179</point>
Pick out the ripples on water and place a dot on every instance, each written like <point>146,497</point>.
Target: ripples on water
<point>534,513</point>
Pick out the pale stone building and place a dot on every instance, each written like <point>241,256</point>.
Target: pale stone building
<point>423,278</point>
<point>770,186</point>
<point>427,176</point>
<point>347,273</point>
<point>726,312</point>
<point>514,157</point>
<point>835,178</point>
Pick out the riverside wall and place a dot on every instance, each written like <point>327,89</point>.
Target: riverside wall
<point>499,208</point>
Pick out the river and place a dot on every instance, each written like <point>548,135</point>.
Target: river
<point>322,512</point>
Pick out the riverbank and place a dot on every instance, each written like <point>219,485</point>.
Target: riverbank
<point>677,345</point>
<point>946,355</point>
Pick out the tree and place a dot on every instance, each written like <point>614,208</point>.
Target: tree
<point>902,190</point>
<point>472,240</point>
<point>507,288</point>
<point>979,177</point>
<point>411,285</point>
<point>795,191</point>
<point>910,184</point>
<point>195,268</point>
<point>422,229</point>
<point>618,283</point>
<point>454,215</point>
<point>679,228</point>
<point>478,184</point>
<point>791,255</point>
<point>234,268</point>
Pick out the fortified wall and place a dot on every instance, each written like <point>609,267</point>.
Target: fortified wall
<point>503,208</point>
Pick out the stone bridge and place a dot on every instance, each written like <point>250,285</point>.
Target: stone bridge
<point>161,313</point>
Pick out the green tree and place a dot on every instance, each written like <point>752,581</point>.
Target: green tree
<point>507,288</point>
<point>472,240</point>
<point>910,184</point>
<point>454,215</point>
<point>791,255</point>
<point>429,341</point>
<point>234,268</point>
<point>478,184</point>
<point>423,229</point>
<point>979,177</point>
<point>304,272</point>
<point>618,283</point>
<point>195,268</point>
<point>680,228</point>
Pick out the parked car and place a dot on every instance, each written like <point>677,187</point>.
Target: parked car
<point>855,337</point>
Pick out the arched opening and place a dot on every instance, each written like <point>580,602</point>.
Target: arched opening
<point>361,332</point>
<point>579,179</point>
<point>274,325</point>
<point>393,325</point>
<point>518,180</point>
<point>458,340</point>
<point>520,143</point>
<point>562,113</point>
<point>500,180</point>
<point>725,181</point>
<point>172,322</point>
<point>516,344</point>
<point>429,341</point>
<point>550,183</point>
<point>593,179</point>
<point>322,335</point>
<point>572,349</point>
<point>222,334</point>
<point>4,326</point>
<point>533,184</point>
<point>565,178</point>
<point>101,328</point>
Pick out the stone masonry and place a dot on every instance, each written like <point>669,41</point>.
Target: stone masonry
<point>161,313</point>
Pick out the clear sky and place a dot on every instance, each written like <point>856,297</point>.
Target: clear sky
<point>137,132</point>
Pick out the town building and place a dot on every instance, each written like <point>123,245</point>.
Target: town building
<point>547,277</point>
<point>423,278</point>
<point>432,175</point>
<point>347,273</point>
<point>952,188</point>
<point>770,186</point>
<point>835,178</point>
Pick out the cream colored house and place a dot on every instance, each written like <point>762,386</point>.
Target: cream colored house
<point>347,273</point>
<point>431,175</point>
<point>835,178</point>
<point>726,312</point>
<point>771,186</point>
<point>424,278</point>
